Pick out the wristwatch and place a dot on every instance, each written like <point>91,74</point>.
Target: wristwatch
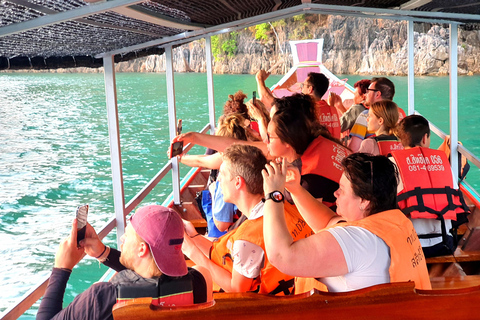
<point>276,196</point>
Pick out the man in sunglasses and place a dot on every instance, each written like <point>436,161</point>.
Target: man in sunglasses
<point>151,264</point>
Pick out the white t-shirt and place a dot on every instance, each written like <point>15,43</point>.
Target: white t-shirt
<point>367,257</point>
<point>248,258</point>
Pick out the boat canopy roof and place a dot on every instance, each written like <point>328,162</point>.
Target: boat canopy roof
<point>50,34</point>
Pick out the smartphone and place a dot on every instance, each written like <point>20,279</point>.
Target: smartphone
<point>82,212</point>
<point>176,148</point>
<point>179,127</point>
<point>254,97</point>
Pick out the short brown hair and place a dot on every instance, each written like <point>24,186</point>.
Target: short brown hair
<point>247,162</point>
<point>385,86</point>
<point>412,129</point>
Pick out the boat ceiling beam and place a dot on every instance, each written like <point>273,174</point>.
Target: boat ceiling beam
<point>140,13</point>
<point>115,147</point>
<point>453,66</point>
<point>373,13</point>
<point>59,17</point>
<point>210,86</point>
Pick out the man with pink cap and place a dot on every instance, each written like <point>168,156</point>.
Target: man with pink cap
<point>150,263</point>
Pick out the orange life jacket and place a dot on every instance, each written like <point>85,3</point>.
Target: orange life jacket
<point>388,144</point>
<point>328,116</point>
<point>427,185</point>
<point>271,280</point>
<point>407,261</point>
<point>324,157</point>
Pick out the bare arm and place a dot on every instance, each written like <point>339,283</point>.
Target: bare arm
<point>336,101</point>
<point>316,214</point>
<point>266,95</point>
<point>212,161</point>
<point>319,255</point>
<point>218,143</point>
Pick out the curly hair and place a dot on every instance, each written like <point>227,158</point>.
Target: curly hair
<point>235,104</point>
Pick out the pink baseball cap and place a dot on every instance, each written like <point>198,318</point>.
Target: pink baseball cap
<point>162,229</point>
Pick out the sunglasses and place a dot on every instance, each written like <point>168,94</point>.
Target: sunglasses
<point>372,90</point>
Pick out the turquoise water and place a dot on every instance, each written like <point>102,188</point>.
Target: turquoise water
<point>55,154</point>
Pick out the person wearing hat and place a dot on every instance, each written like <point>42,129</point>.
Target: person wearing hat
<point>151,258</point>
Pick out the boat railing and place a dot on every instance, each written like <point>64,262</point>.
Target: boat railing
<point>465,152</point>
<point>34,294</point>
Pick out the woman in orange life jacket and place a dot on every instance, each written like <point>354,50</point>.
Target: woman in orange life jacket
<point>306,144</point>
<point>382,119</point>
<point>377,243</point>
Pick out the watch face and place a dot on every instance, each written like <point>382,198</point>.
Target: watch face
<point>277,196</point>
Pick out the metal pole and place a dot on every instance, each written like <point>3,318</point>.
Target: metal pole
<point>411,69</point>
<point>211,97</point>
<point>172,121</point>
<point>115,149</point>
<point>454,98</point>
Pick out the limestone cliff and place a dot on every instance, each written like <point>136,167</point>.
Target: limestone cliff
<point>351,46</point>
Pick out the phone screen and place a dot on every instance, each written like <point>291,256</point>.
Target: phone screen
<point>81,215</point>
<point>254,95</point>
<point>176,148</point>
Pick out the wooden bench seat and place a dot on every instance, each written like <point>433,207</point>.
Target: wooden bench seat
<point>392,301</point>
<point>455,282</point>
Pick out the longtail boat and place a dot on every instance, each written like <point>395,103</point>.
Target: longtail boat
<point>41,35</point>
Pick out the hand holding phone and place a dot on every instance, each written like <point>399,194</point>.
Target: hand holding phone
<point>176,149</point>
<point>81,215</point>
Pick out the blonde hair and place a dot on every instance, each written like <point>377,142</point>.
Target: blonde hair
<point>388,111</point>
<point>232,125</point>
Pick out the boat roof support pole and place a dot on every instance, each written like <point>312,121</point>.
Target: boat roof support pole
<point>411,68</point>
<point>172,121</point>
<point>115,149</point>
<point>454,97</point>
<point>210,89</point>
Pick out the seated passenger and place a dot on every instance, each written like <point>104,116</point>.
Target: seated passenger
<point>315,85</point>
<point>294,134</point>
<point>218,213</point>
<point>151,257</point>
<point>235,104</point>
<point>237,260</point>
<point>377,243</point>
<point>379,89</point>
<point>348,116</point>
<point>427,188</point>
<point>382,119</point>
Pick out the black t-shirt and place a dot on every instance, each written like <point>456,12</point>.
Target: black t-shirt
<point>97,301</point>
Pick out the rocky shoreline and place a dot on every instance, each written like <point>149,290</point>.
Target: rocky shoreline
<point>351,46</point>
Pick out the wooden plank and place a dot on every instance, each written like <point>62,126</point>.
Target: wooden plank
<point>392,301</point>
<point>455,282</point>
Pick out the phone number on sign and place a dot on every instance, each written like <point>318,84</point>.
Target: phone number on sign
<point>430,167</point>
